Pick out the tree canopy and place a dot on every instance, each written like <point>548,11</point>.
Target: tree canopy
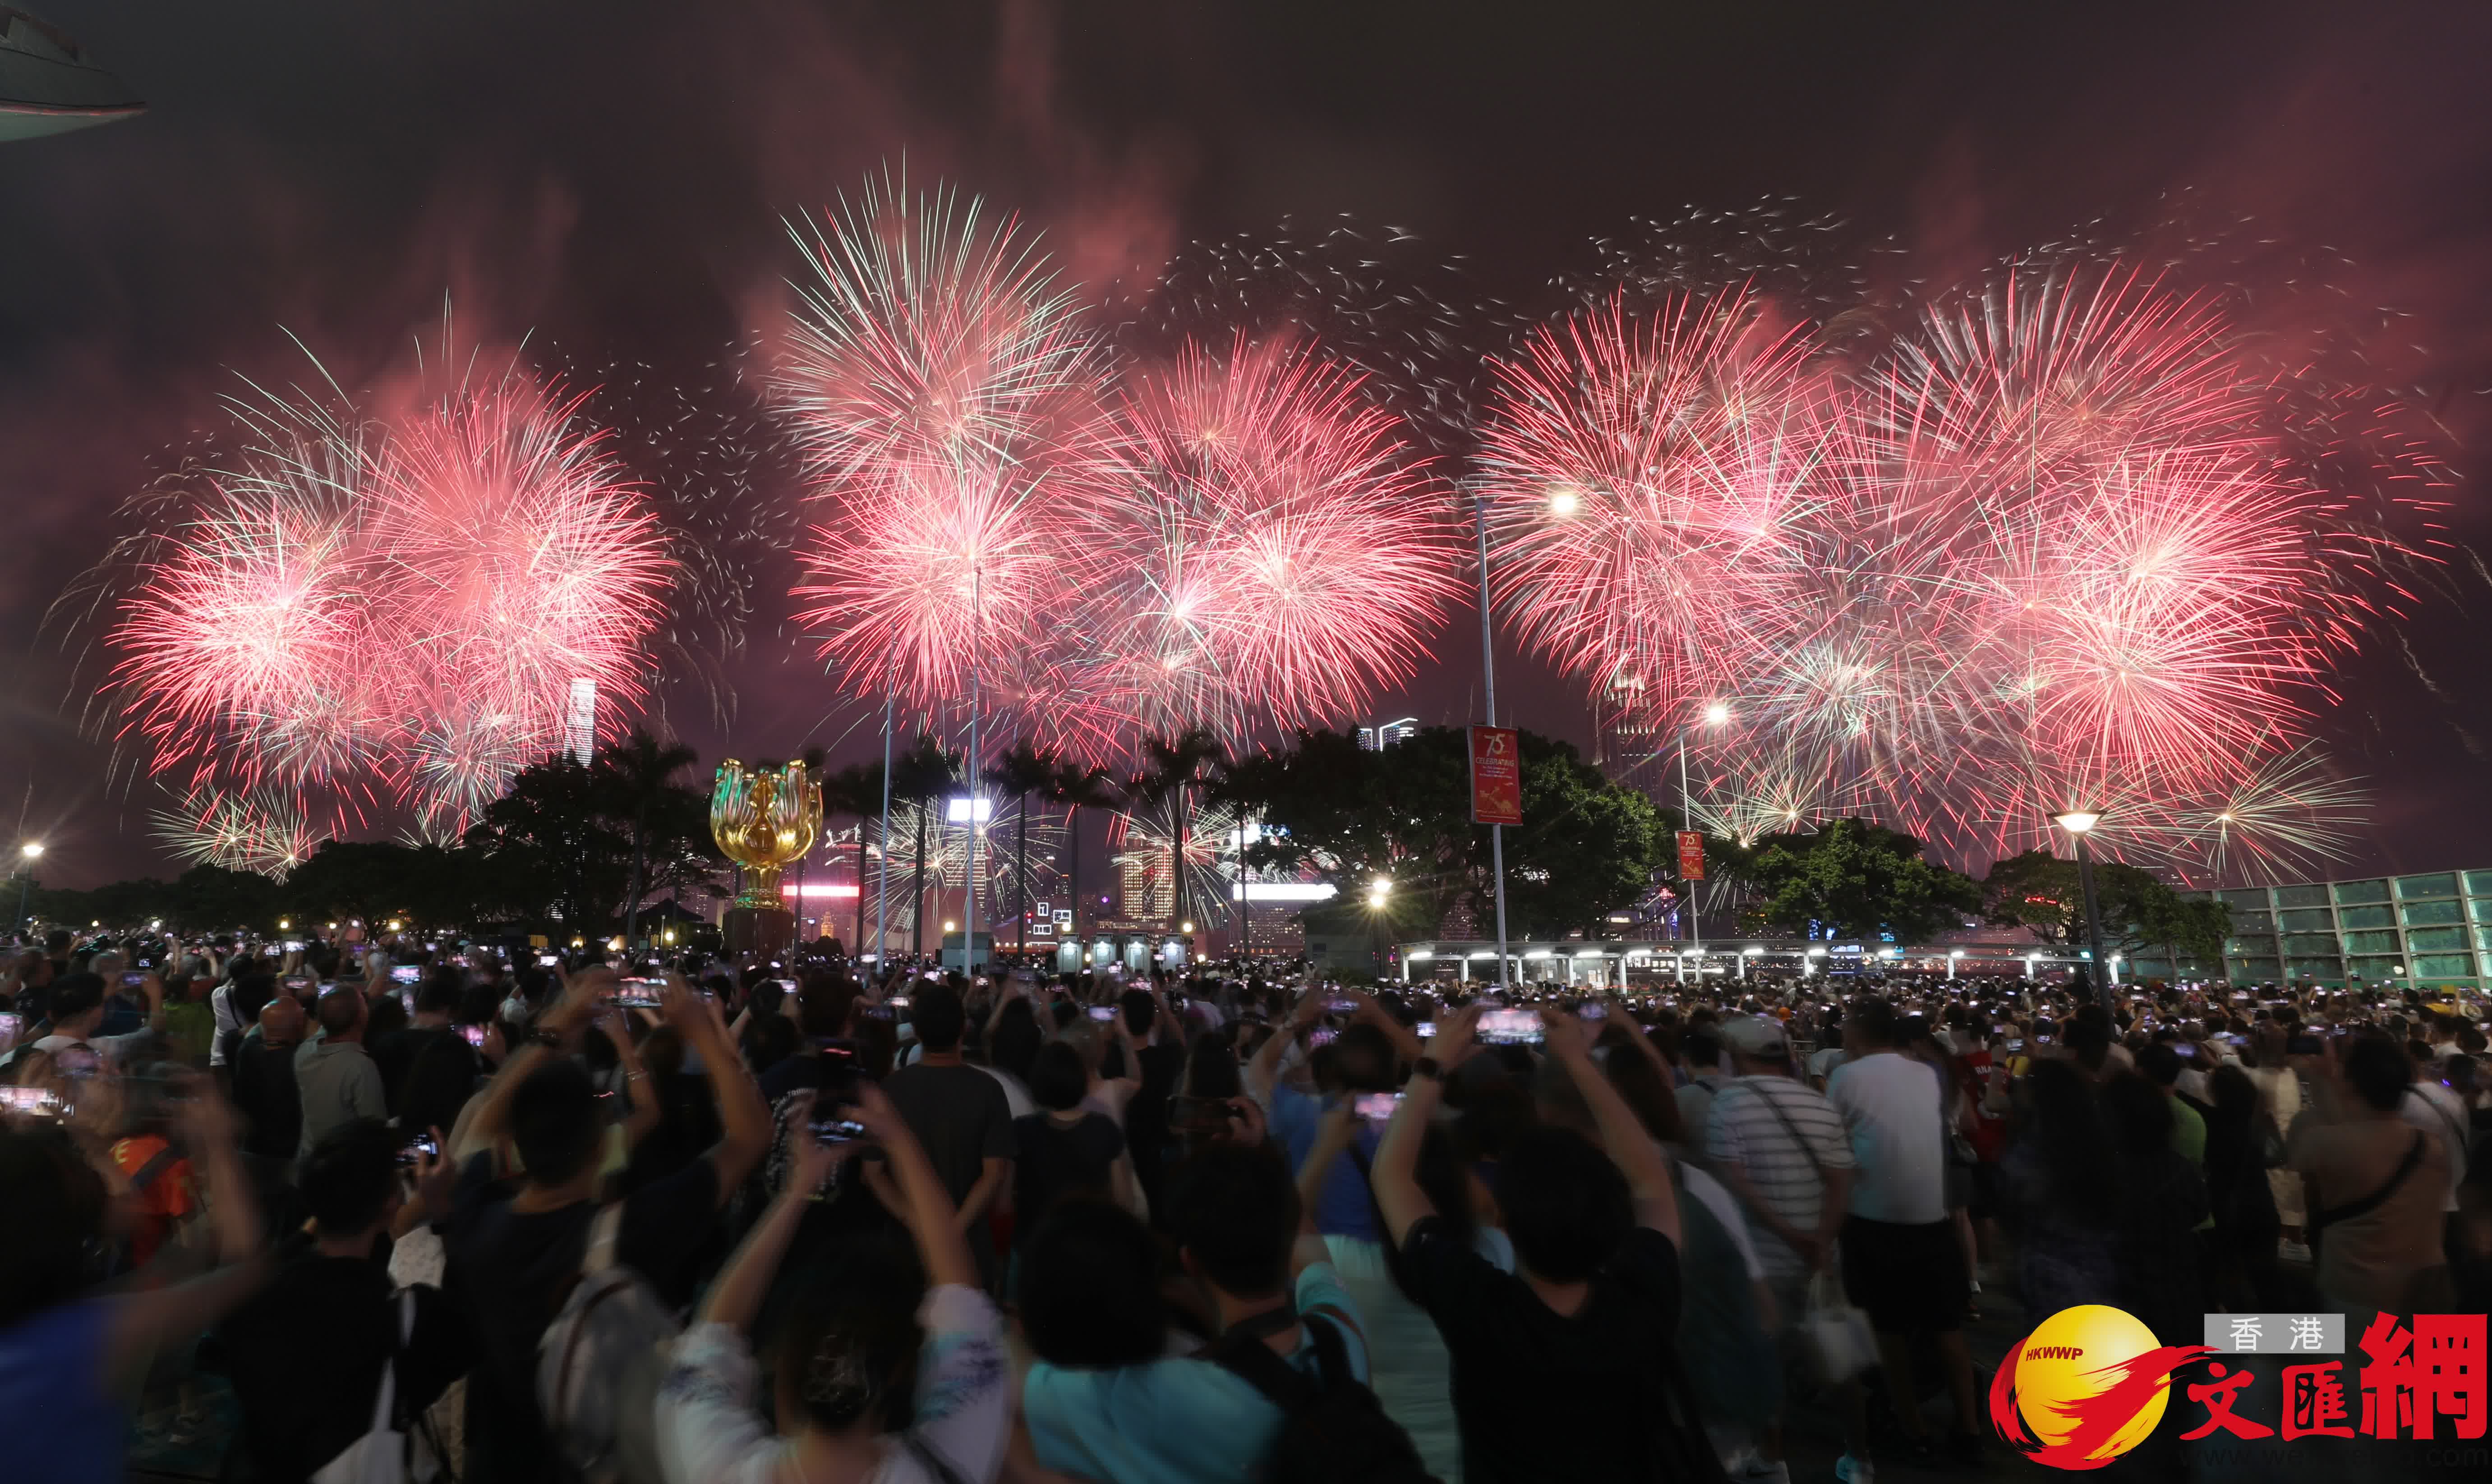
<point>1587,846</point>
<point>1855,879</point>
<point>2041,893</point>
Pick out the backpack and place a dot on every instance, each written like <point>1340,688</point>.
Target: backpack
<point>599,1364</point>
<point>1333,1430</point>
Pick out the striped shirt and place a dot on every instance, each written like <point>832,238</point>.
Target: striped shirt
<point>1744,1131</point>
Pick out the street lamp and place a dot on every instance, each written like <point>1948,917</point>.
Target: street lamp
<point>2080,823</point>
<point>32,851</point>
<point>1716,714</point>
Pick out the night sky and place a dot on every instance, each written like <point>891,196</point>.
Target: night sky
<point>610,178</point>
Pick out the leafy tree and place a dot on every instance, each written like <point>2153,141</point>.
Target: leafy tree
<point>1020,772</point>
<point>1585,848</point>
<point>1176,767</point>
<point>1073,789</point>
<point>2043,893</point>
<point>371,880</point>
<point>1855,878</point>
<point>560,842</point>
<point>638,776</point>
<point>921,774</point>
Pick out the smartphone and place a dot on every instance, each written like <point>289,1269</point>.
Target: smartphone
<point>898,1002</point>
<point>31,1102</point>
<point>547,960</point>
<point>1377,1107</point>
<point>1510,1027</point>
<point>2301,1045</point>
<point>416,1148</point>
<point>133,980</point>
<point>1425,1028</point>
<point>639,994</point>
<point>297,981</point>
<point>1321,1035</point>
<point>473,1035</point>
<point>2185,1049</point>
<point>1592,1012</point>
<point>294,946</point>
<point>2015,1044</point>
<point>837,1130</point>
<point>1340,1004</point>
<point>1103,1014</point>
<point>790,985</point>
<point>10,1026</point>
<point>406,973</point>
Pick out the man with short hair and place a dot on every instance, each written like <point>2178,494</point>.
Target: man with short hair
<point>1901,1258</point>
<point>305,1355</point>
<point>1565,1368</point>
<point>265,1092</point>
<point>1781,1148</point>
<point>337,1081</point>
<point>2374,1180</point>
<point>516,1238</point>
<point>958,1113</point>
<point>1700,1050</point>
<point>1238,1221</point>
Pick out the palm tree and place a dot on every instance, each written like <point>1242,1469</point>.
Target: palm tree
<point>1176,765</point>
<point>855,789</point>
<point>923,774</point>
<point>1074,788</point>
<point>1023,771</point>
<point>635,774</point>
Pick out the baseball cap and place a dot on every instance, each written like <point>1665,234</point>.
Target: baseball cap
<point>1753,1035</point>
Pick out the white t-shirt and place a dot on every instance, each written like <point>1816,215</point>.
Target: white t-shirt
<point>2437,1112</point>
<point>1824,1061</point>
<point>1725,1206</point>
<point>1890,1105</point>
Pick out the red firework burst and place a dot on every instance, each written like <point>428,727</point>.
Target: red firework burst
<point>365,609</point>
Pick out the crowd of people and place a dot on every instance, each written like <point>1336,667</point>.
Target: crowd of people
<point>514,1215</point>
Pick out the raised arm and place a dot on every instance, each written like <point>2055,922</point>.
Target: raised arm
<point>1622,1135</point>
<point>744,1119</point>
<point>741,1285</point>
<point>1264,1069</point>
<point>142,1322</point>
<point>1393,1174</point>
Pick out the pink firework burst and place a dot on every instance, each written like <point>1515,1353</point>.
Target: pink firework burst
<point>1266,548</point>
<point>2050,551</point>
<point>933,370</point>
<point>366,610</point>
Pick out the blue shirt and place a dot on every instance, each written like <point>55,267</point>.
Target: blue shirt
<point>1343,1207</point>
<point>60,1425</point>
<point>1173,1421</point>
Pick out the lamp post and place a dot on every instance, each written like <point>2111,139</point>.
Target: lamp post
<point>1562,503</point>
<point>30,852</point>
<point>2079,823</point>
<point>1716,714</point>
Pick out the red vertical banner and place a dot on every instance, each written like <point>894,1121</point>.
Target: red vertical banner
<point>1691,855</point>
<point>1496,776</point>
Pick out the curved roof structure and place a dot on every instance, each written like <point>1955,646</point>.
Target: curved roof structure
<point>49,84</point>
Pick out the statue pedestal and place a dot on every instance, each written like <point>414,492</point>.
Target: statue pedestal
<point>766,930</point>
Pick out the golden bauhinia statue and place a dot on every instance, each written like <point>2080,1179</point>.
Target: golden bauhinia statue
<point>762,818</point>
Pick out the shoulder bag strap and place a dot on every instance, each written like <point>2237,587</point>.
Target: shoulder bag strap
<point>1793,1129</point>
<point>154,1169</point>
<point>2378,1198</point>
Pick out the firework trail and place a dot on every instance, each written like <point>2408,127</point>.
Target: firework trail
<point>2054,549</point>
<point>364,612</point>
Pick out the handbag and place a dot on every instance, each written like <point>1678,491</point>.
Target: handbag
<point>379,1456</point>
<point>1835,1335</point>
